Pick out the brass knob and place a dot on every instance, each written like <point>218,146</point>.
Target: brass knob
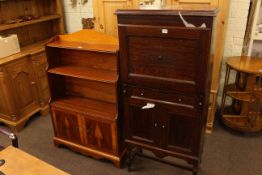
<point>33,83</point>
<point>101,26</point>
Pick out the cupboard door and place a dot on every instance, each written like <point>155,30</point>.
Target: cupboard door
<point>67,125</point>
<point>182,133</point>
<point>7,106</point>
<point>139,123</point>
<point>163,66</point>
<point>23,85</point>
<point>100,135</point>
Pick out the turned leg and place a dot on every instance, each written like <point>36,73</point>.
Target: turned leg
<point>196,167</point>
<point>130,157</point>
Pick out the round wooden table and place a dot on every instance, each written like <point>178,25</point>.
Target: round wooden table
<point>241,107</point>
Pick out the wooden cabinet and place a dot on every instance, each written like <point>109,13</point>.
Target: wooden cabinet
<point>245,112</point>
<point>24,86</point>
<point>83,79</point>
<point>25,90</point>
<point>104,13</point>
<point>165,71</point>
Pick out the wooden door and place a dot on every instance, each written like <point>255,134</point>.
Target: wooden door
<point>104,12</point>
<point>67,125</point>
<point>182,133</point>
<point>23,86</point>
<point>139,123</point>
<point>100,135</point>
<point>168,65</point>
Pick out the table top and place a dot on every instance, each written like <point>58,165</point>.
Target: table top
<point>19,162</point>
<point>246,64</point>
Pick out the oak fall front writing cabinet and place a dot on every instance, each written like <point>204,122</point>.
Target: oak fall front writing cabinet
<point>165,71</point>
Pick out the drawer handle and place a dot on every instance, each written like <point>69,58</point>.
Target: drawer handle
<point>149,106</point>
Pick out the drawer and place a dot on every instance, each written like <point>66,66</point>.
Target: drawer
<point>173,58</point>
<point>168,98</point>
<point>180,103</point>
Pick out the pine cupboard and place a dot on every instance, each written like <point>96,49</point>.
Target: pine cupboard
<point>23,81</point>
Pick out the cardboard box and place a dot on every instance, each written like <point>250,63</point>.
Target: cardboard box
<point>9,45</point>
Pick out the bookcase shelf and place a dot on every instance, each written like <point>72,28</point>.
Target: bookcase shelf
<point>87,106</point>
<point>26,23</point>
<point>86,73</point>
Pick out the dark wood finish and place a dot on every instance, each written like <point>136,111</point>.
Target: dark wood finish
<point>245,112</point>
<point>83,85</point>
<point>23,82</point>
<point>167,66</point>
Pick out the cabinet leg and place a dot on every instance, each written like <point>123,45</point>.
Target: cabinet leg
<point>44,111</point>
<point>130,157</point>
<point>117,164</point>
<point>129,160</point>
<point>196,167</point>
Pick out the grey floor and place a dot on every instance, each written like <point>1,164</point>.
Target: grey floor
<point>225,153</point>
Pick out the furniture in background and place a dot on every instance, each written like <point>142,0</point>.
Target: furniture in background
<point>254,30</point>
<point>19,162</point>
<point>245,112</point>
<point>165,71</point>
<point>106,21</point>
<point>83,78</point>
<point>23,83</point>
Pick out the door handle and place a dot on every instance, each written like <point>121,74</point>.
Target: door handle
<point>149,106</point>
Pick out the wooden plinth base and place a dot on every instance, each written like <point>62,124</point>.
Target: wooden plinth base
<point>17,126</point>
<point>90,152</point>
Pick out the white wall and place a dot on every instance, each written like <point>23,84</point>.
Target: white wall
<point>236,28</point>
<point>73,16</point>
